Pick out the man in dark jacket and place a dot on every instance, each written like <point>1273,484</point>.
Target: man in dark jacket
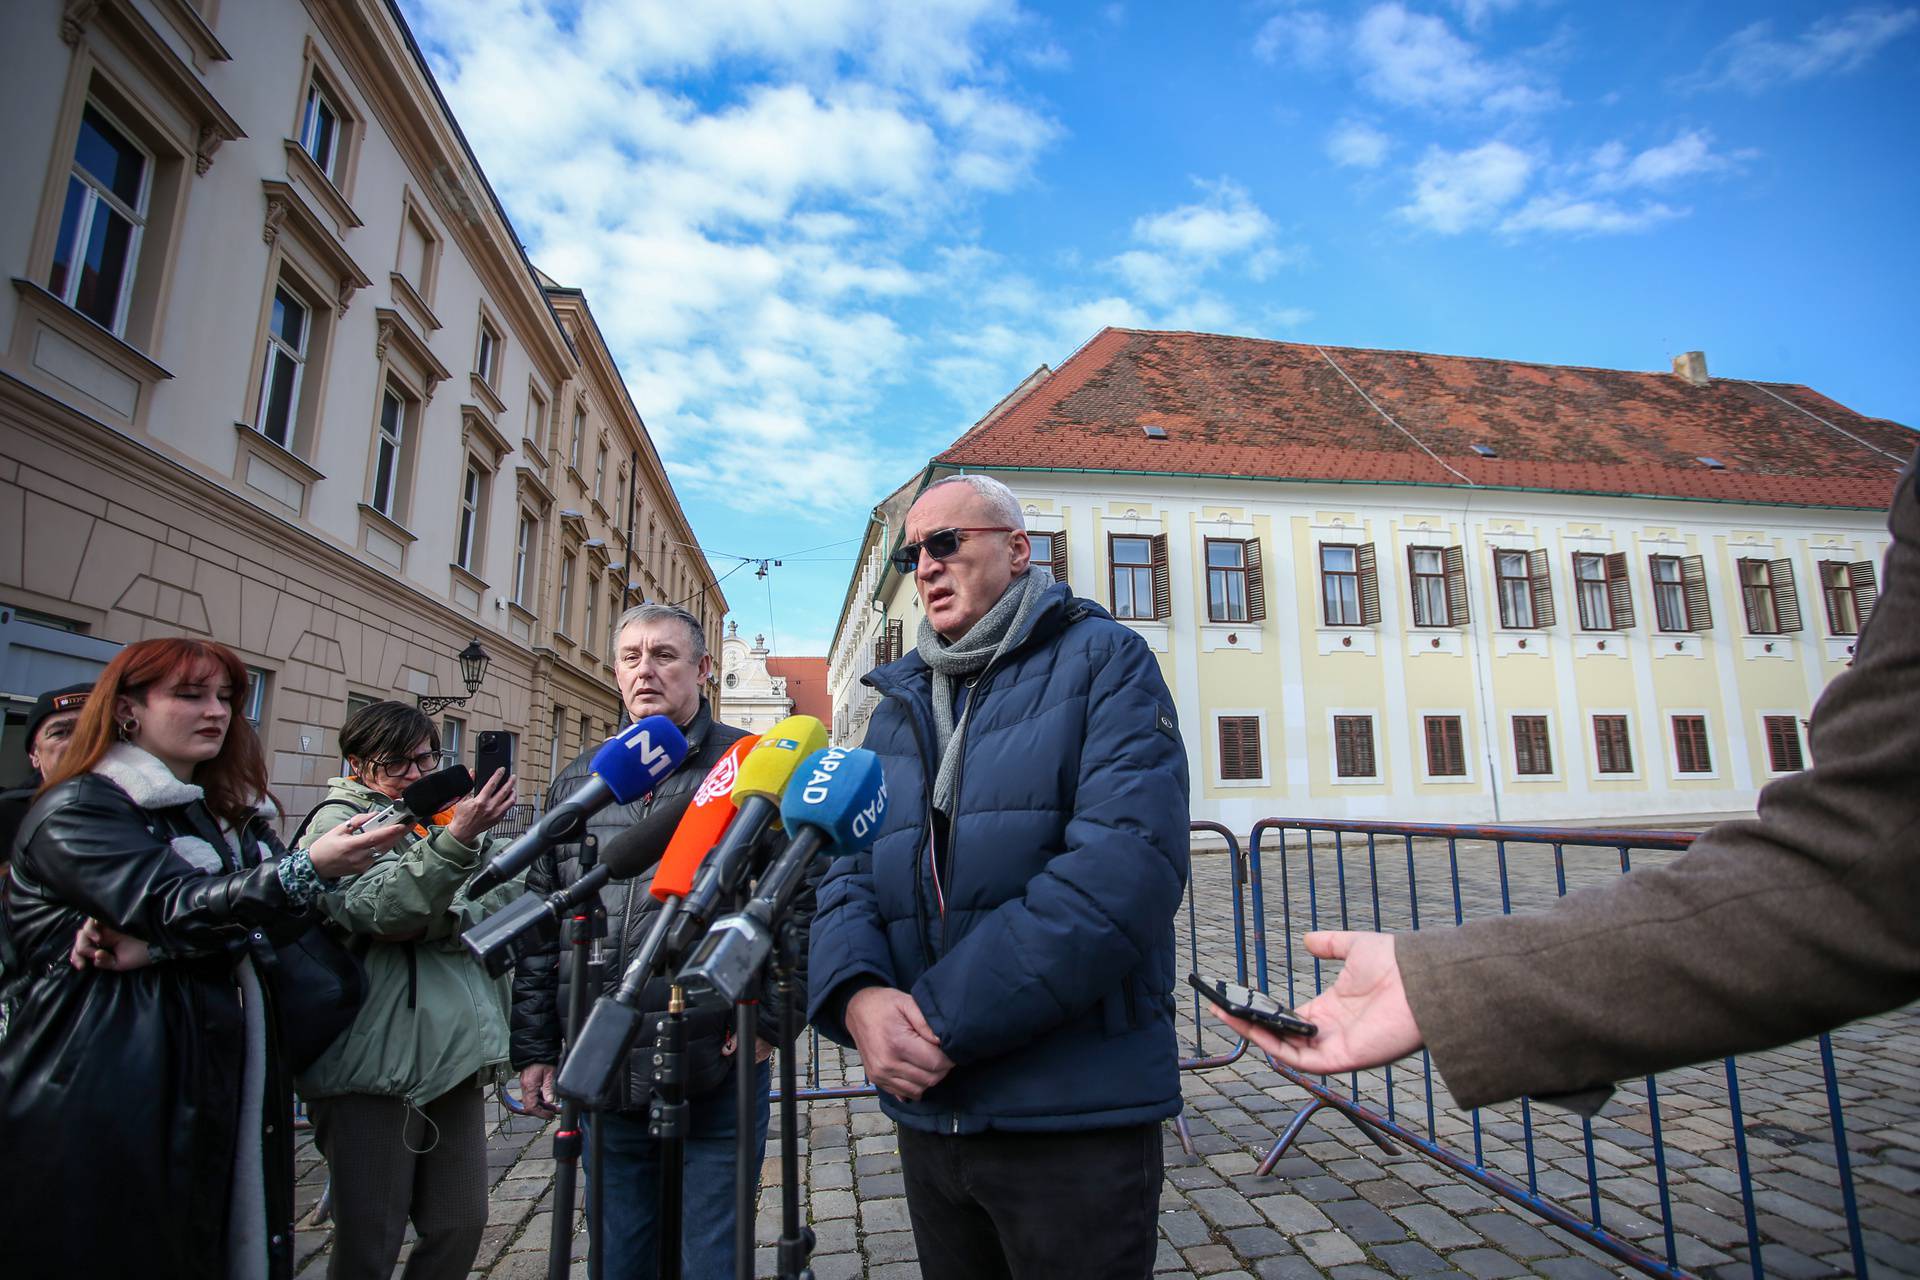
<point>661,663</point>
<point>1763,932</point>
<point>49,726</point>
<point>1003,957</point>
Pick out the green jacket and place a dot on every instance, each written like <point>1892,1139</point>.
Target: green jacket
<point>432,1016</point>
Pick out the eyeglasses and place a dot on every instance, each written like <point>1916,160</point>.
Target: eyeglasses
<point>939,544</point>
<point>422,763</point>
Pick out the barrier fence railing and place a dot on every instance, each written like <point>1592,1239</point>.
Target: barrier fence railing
<point>1401,877</point>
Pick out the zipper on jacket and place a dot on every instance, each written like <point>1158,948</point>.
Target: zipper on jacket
<point>945,880</point>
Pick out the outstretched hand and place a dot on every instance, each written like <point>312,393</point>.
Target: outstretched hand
<point>1364,1018</point>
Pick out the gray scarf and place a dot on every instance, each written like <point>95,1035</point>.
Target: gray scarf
<point>968,656</point>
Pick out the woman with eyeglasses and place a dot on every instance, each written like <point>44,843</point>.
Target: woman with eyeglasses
<point>146,1113</point>
<point>398,1101</point>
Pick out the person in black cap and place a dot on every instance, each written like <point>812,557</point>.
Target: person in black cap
<point>49,726</point>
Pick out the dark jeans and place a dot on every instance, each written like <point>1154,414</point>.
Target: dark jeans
<point>1037,1206</point>
<point>632,1190</point>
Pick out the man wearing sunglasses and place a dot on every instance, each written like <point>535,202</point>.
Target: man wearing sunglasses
<point>1003,956</point>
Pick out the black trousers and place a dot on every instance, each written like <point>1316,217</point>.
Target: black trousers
<point>1034,1206</point>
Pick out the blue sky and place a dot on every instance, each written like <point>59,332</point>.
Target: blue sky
<point>824,236</point>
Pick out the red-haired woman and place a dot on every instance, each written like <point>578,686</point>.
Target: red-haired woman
<point>144,1110</point>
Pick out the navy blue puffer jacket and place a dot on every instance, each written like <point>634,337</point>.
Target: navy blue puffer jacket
<point>1049,975</point>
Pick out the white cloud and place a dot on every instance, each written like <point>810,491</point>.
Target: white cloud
<point>1227,221</point>
<point>1569,215</point>
<point>1416,60</point>
<point>1357,145</point>
<point>1690,154</point>
<point>1477,13</point>
<point>1754,59</point>
<point>1305,37</point>
<point>1455,191</point>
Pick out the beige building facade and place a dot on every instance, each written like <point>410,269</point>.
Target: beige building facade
<point>274,370</point>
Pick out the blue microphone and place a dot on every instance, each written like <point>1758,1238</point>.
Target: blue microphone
<point>626,767</point>
<point>837,798</point>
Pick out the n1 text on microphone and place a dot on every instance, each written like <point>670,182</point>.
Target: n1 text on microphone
<point>836,800</point>
<point>624,769</point>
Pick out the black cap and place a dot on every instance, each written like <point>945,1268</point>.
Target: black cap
<point>53,702</point>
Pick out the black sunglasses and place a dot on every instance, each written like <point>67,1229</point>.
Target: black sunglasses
<point>939,544</point>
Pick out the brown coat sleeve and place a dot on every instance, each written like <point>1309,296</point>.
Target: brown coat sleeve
<point>1764,932</point>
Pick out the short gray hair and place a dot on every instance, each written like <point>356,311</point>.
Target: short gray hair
<point>999,499</point>
<point>654,611</point>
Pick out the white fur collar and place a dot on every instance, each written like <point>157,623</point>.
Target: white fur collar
<point>141,775</point>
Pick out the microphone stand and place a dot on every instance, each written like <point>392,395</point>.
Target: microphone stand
<point>746,1103</point>
<point>667,1124</point>
<point>586,928</point>
<point>796,1241</point>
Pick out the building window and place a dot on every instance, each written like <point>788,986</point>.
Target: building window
<point>1446,747</point>
<point>1690,754</point>
<point>599,474</point>
<point>574,450</point>
<point>254,705</point>
<point>285,363</point>
<point>101,222</point>
<point>1767,596</point>
<point>487,360</point>
<point>452,738</point>
<point>387,452</point>
<point>523,540</point>
<point>1680,601</point>
<point>1532,753</point>
<point>563,607</point>
<point>1526,594</point>
<point>1139,576</point>
<point>554,749</point>
<point>320,131</point>
<point>613,622</point>
<point>467,548</point>
<point>1353,747</point>
<point>1783,744</point>
<point>417,245</point>
<point>1850,591</point>
<point>1438,576</point>
<point>586,730</point>
<point>536,416</point>
<point>1050,549</point>
<point>1612,749</point>
<point>593,613</point>
<point>1240,749</point>
<point>1236,585</point>
<point>1340,585</point>
<point>1601,591</point>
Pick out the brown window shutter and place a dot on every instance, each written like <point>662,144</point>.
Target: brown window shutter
<point>1456,562</point>
<point>1059,565</point>
<point>1783,745</point>
<point>896,639</point>
<point>1369,567</point>
<point>1786,596</point>
<point>1256,583</point>
<point>1446,757</point>
<point>1162,581</point>
<point>1693,578</point>
<point>1746,596</point>
<point>1619,591</point>
<point>1541,585</point>
<point>1866,590</point>
<point>1239,748</point>
<point>1363,745</point>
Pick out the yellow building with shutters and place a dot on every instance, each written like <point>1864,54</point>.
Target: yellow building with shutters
<point>1430,588</point>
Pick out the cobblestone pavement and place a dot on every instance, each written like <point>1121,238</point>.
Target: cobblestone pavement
<point>1336,1205</point>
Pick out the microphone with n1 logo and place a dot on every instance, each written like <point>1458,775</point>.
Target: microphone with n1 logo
<point>837,799</point>
<point>624,769</point>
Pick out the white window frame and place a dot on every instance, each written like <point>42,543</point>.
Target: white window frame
<point>1555,741</point>
<point>525,534</point>
<point>317,96</point>
<point>453,740</point>
<point>466,538</point>
<point>1599,589</point>
<point>591,594</point>
<point>1378,775</point>
<point>390,442</point>
<point>1760,718</point>
<point>96,194</point>
<point>1266,753</point>
<point>1635,746</point>
<point>275,346</point>
<point>1717,756</point>
<point>563,603</point>
<point>487,358</point>
<point>1469,776</point>
<point>254,699</point>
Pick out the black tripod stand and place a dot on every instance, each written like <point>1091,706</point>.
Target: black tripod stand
<point>586,928</point>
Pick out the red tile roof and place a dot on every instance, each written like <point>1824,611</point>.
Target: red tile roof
<point>1294,411</point>
<point>806,685</point>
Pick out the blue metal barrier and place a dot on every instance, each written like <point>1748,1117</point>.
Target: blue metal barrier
<point>1322,863</point>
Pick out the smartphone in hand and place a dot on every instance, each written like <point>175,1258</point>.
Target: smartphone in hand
<point>1254,1005</point>
<point>493,753</point>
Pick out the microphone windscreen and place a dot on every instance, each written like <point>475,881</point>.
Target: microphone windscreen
<point>702,825</point>
<point>637,757</point>
<point>770,767</point>
<point>842,791</point>
<point>633,851</point>
<point>429,795</point>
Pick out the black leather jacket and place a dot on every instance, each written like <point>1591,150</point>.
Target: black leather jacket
<point>540,979</point>
<point>137,1073</point>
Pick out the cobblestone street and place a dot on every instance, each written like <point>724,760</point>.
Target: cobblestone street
<point>1336,1204</point>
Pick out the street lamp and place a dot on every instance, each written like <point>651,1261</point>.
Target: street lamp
<point>473,669</point>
